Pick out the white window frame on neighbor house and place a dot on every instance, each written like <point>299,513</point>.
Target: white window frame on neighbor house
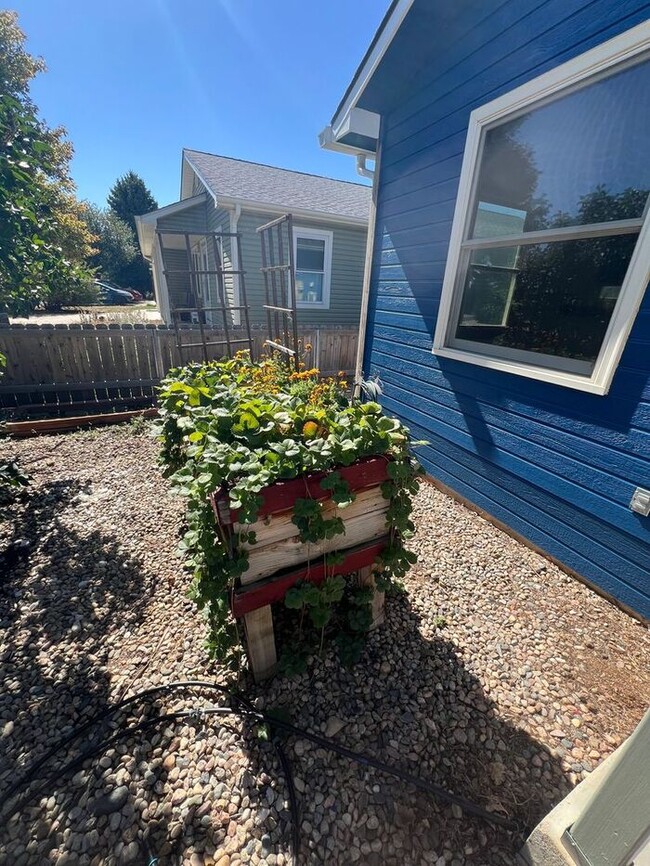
<point>317,235</point>
<point>626,49</point>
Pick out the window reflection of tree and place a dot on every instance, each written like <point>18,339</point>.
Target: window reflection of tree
<point>560,295</point>
<point>566,291</point>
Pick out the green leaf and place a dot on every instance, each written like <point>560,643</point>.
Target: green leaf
<point>320,615</point>
<point>294,598</point>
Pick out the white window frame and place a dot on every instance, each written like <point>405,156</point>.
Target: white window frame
<point>626,48</point>
<point>316,235</point>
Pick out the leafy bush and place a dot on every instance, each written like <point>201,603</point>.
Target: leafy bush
<point>12,480</point>
<point>237,426</point>
<point>70,293</point>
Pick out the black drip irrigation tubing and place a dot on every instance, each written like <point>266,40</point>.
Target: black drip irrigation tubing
<point>243,708</point>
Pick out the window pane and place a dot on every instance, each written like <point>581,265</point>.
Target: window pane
<point>310,254</point>
<point>582,158</point>
<point>309,287</point>
<point>554,299</point>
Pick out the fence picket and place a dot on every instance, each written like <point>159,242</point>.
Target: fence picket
<point>68,364</point>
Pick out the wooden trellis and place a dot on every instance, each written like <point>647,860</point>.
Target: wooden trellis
<point>278,270</point>
<point>195,305</point>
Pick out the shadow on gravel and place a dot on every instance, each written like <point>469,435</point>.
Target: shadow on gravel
<point>413,703</point>
<point>57,608</point>
<point>416,705</point>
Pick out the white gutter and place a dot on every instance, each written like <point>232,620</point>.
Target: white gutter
<point>147,223</point>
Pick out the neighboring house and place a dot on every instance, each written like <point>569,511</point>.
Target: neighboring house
<point>220,194</point>
<point>507,312</point>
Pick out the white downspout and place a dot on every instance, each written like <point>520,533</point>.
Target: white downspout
<point>362,168</point>
<point>234,258</point>
<point>367,270</point>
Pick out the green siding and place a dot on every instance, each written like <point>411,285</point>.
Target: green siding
<point>348,256</point>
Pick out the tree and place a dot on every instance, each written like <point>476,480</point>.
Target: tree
<point>128,198</point>
<point>44,241</point>
<point>115,250</point>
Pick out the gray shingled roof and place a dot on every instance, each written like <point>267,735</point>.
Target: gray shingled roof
<point>266,184</point>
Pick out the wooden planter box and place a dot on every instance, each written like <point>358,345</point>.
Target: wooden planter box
<point>279,559</point>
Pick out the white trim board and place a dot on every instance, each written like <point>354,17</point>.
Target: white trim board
<point>619,50</point>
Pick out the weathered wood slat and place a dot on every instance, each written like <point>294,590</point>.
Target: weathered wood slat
<point>367,578</point>
<point>278,527</point>
<point>79,386</point>
<point>365,527</point>
<point>58,425</point>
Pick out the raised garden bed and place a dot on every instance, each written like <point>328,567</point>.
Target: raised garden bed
<point>297,495</point>
<point>279,559</point>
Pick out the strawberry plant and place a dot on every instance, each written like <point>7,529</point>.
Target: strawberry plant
<point>239,426</point>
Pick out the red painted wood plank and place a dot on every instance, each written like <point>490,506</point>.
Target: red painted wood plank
<point>256,595</point>
<point>280,496</point>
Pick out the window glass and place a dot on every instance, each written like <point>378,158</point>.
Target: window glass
<point>310,254</point>
<point>552,298</point>
<point>309,287</point>
<point>579,159</point>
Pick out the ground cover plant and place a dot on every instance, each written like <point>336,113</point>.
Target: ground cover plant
<point>240,426</point>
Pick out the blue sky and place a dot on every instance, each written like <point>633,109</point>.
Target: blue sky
<point>134,81</point>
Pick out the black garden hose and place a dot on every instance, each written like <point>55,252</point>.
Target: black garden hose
<point>243,708</point>
<point>102,716</point>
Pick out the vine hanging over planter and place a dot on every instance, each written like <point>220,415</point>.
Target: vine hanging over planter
<point>236,427</point>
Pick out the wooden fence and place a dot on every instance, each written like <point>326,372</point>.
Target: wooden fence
<point>63,367</point>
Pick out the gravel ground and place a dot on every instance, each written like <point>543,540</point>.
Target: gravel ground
<point>495,676</point>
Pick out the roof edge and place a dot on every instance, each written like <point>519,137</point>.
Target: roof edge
<point>381,41</point>
<point>188,161</point>
<point>187,150</point>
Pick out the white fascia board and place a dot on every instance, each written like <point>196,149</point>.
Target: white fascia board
<point>298,212</point>
<point>142,234</point>
<point>371,62</point>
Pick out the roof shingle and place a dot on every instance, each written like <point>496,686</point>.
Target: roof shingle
<point>266,184</point>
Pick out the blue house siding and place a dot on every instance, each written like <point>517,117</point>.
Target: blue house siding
<point>556,465</point>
